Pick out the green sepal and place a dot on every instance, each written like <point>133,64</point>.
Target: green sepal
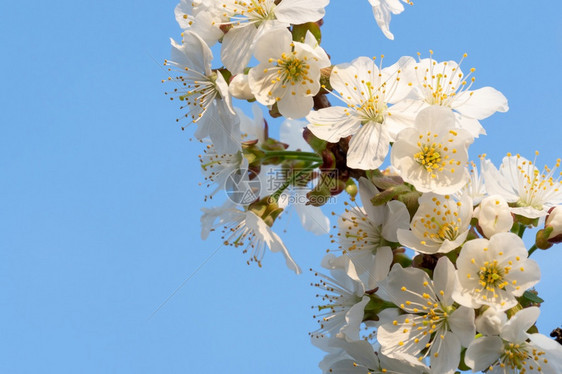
<point>299,31</point>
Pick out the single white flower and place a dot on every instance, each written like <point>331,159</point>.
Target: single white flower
<point>364,231</point>
<point>204,93</point>
<point>343,301</point>
<point>494,272</point>
<point>493,215</point>
<point>433,155</point>
<point>383,9</point>
<point>440,224</point>
<point>515,351</point>
<point>197,17</point>
<point>530,191</point>
<point>366,91</point>
<point>249,20</point>
<point>444,84</point>
<point>433,327</point>
<point>359,357</point>
<point>217,168</point>
<point>288,73</point>
<point>243,228</point>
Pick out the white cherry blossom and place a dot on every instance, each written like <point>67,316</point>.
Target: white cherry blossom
<point>514,351</point>
<point>440,224</point>
<point>363,231</point>
<point>243,228</point>
<point>494,272</point>
<point>444,84</point>
<point>248,20</point>
<point>204,94</point>
<point>433,327</point>
<point>530,191</point>
<point>288,73</point>
<point>433,155</point>
<point>366,91</point>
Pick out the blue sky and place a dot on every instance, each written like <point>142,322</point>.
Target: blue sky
<point>99,206</point>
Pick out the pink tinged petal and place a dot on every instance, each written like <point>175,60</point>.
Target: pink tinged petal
<point>237,46</point>
<point>398,218</point>
<point>369,147</point>
<point>515,330</point>
<point>445,354</point>
<point>462,325</point>
<point>481,103</point>
<point>272,44</point>
<point>483,352</point>
<point>300,11</point>
<point>444,280</point>
<point>332,124</point>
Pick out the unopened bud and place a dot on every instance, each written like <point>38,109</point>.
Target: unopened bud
<point>240,88</point>
<point>493,215</point>
<point>554,221</point>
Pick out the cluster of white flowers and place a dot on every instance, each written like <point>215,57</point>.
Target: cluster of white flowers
<point>432,261</point>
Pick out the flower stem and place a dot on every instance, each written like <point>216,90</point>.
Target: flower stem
<point>532,249</point>
<point>294,155</point>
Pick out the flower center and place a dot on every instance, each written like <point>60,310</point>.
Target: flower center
<point>491,276</point>
<point>429,157</point>
<point>293,69</point>
<point>254,11</point>
<point>519,356</point>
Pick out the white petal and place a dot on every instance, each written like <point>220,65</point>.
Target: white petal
<point>295,106</point>
<point>515,330</point>
<point>236,49</point>
<point>369,147</point>
<point>461,323</point>
<point>300,11</point>
<point>449,352</point>
<point>332,124</point>
<point>444,280</point>
<point>483,352</point>
<point>481,103</point>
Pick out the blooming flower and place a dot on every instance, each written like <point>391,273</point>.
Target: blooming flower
<point>288,73</point>
<point>217,168</point>
<point>364,231</point>
<point>440,224</point>
<point>521,183</point>
<point>433,154</point>
<point>514,350</point>
<point>344,300</point>
<point>382,10</point>
<point>444,84</point>
<point>251,19</point>
<point>243,228</point>
<point>433,327</point>
<point>366,91</point>
<point>493,272</point>
<point>493,215</point>
<point>359,357</point>
<point>205,94</point>
<point>197,16</point>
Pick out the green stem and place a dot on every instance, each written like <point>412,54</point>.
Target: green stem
<point>521,230</point>
<point>285,185</point>
<point>532,249</point>
<point>294,155</point>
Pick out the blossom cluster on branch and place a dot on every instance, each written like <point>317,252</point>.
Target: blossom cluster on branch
<point>428,272</point>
